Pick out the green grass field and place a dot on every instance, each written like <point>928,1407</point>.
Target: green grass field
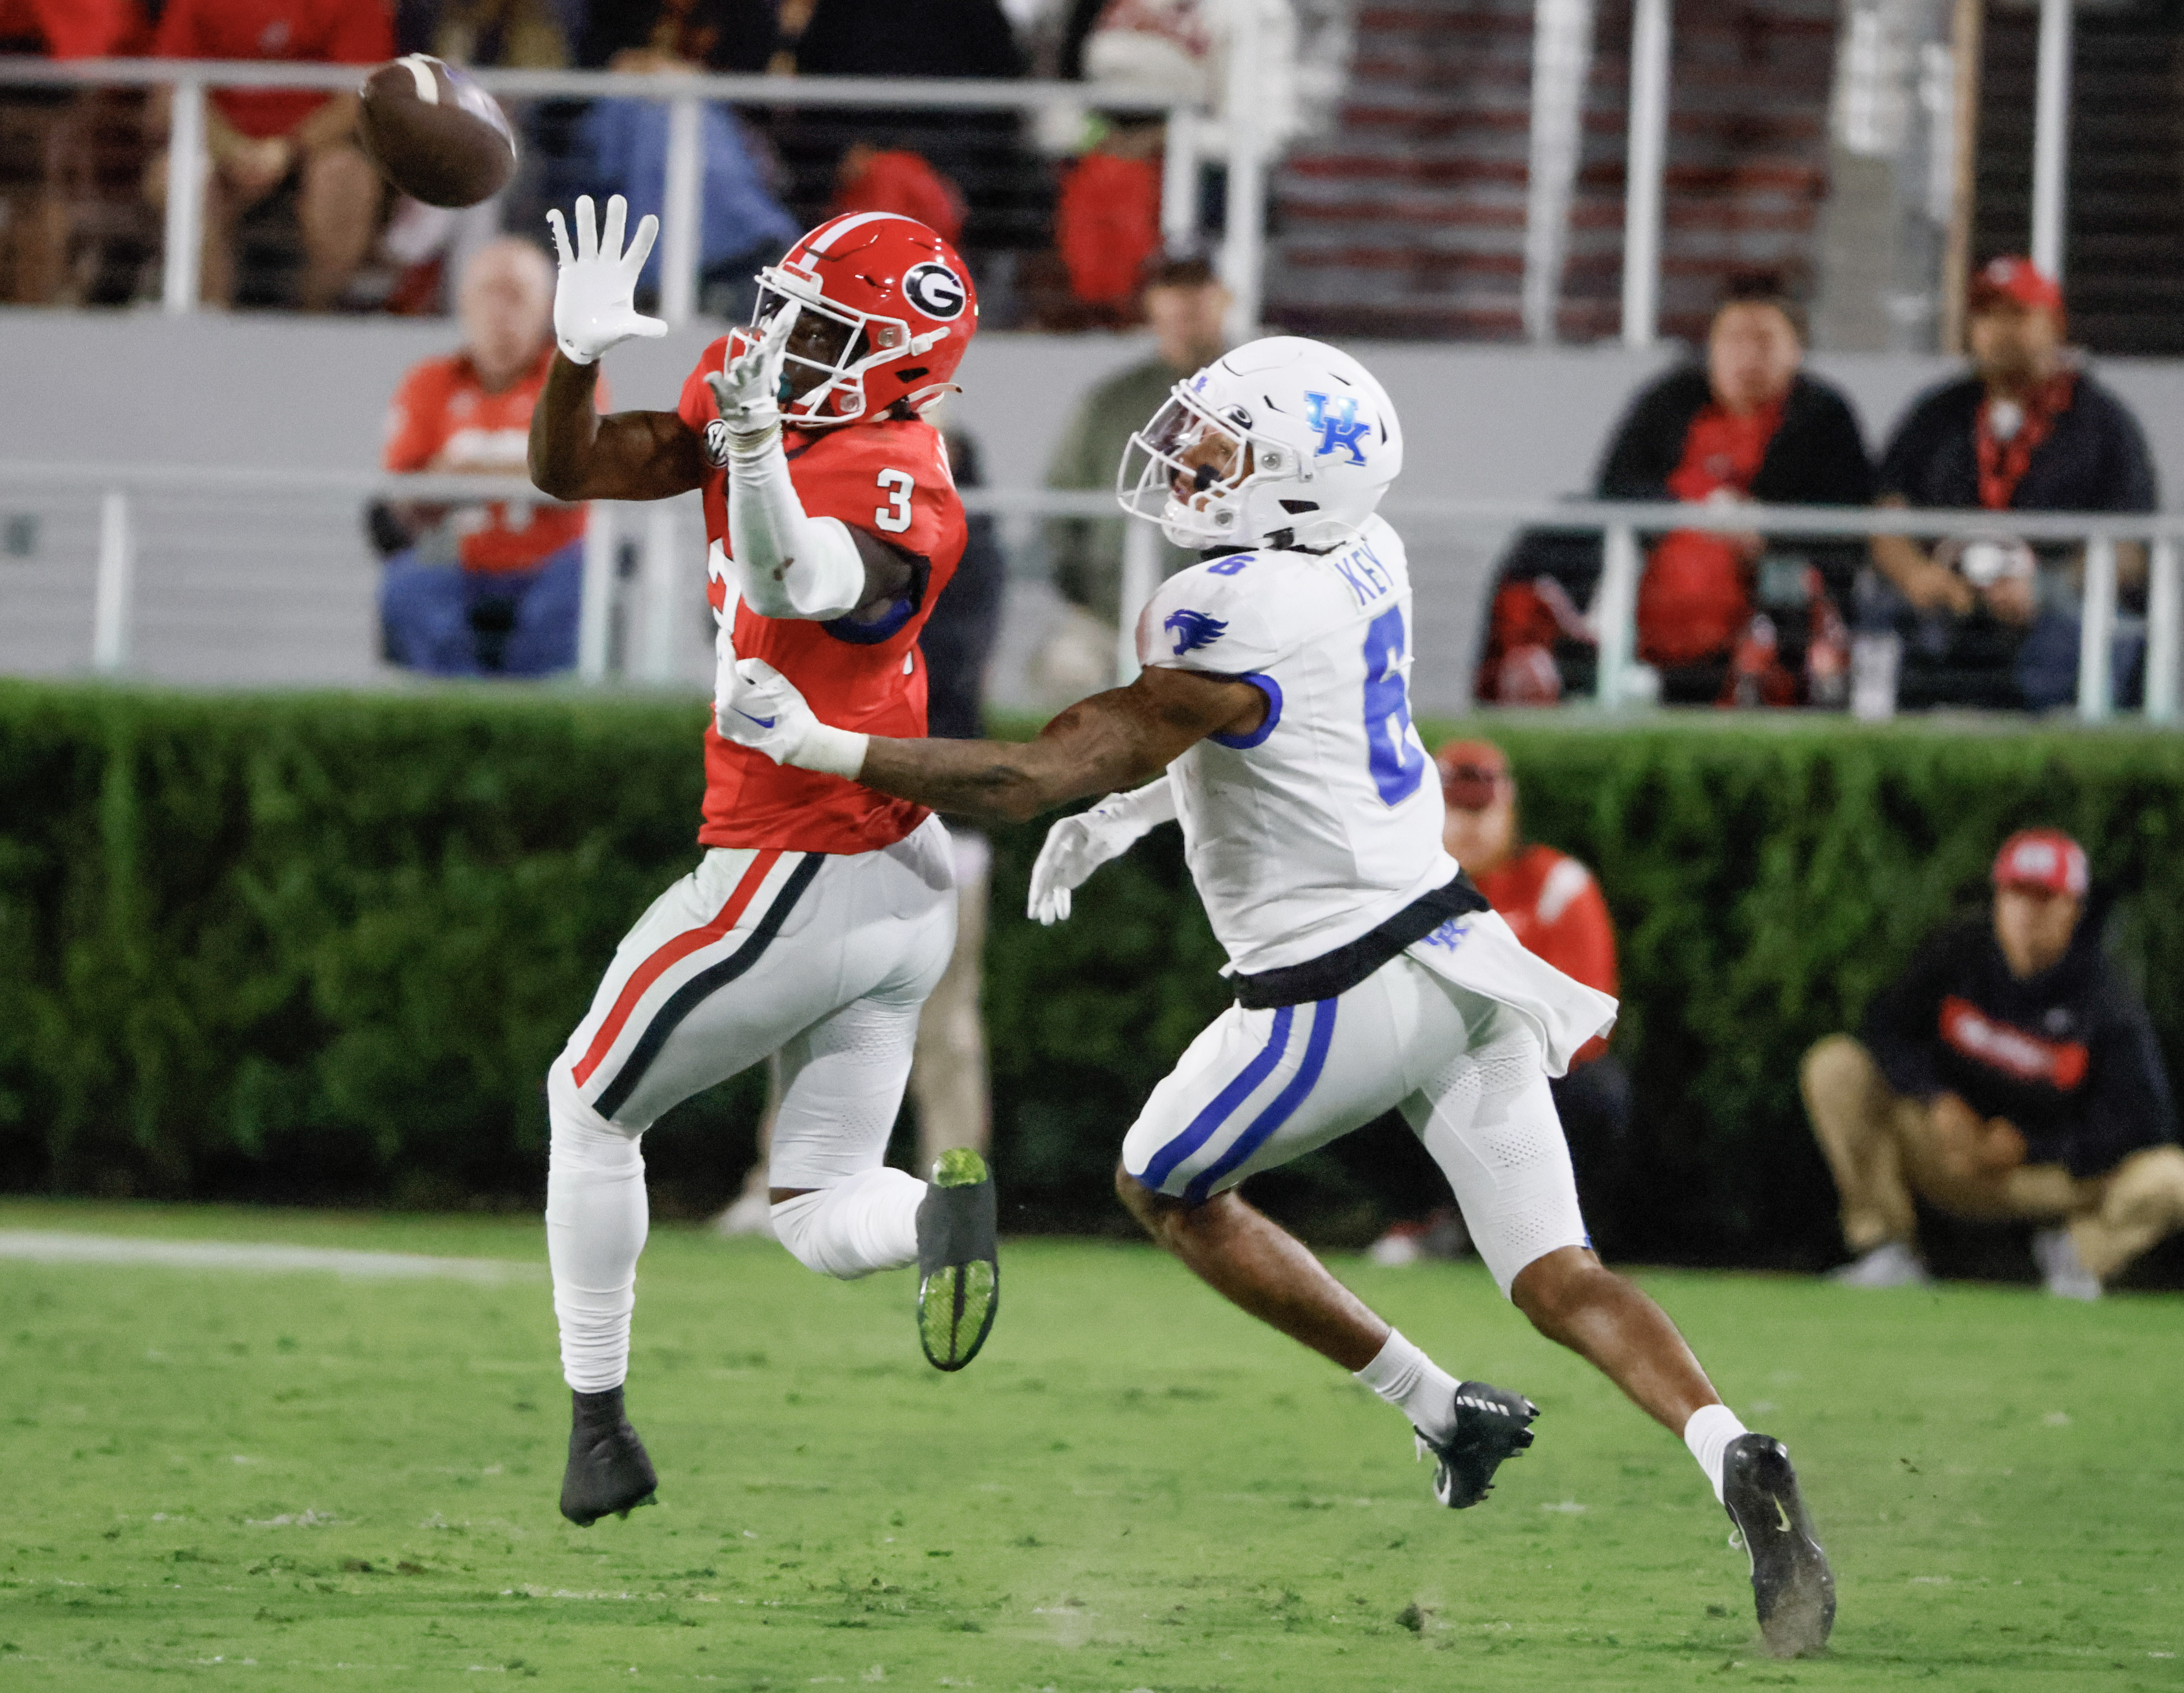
<point>302,1480</point>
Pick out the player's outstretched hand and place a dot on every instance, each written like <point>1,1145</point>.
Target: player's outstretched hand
<point>595,298</point>
<point>765,711</point>
<point>1079,845</point>
<point>748,389</point>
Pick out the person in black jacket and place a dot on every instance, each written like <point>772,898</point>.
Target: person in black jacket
<point>1747,424</point>
<point>2008,1072</point>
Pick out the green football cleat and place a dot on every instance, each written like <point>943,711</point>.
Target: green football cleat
<point>959,1272</point>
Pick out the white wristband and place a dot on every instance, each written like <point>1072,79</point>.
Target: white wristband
<point>835,752</point>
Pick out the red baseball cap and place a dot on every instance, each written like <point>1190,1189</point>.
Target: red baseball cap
<point>1471,773</point>
<point>2014,281</point>
<point>2042,858</point>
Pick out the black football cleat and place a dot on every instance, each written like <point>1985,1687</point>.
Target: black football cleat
<point>609,1475</point>
<point>1491,1425</point>
<point>959,1269</point>
<point>1792,1584</point>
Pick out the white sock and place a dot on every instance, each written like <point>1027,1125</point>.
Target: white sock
<point>1414,1384</point>
<point>596,1220</point>
<point>867,1222</point>
<point>1709,1432</point>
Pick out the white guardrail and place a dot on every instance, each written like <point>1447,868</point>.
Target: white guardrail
<point>1613,612</point>
<point>1191,136</point>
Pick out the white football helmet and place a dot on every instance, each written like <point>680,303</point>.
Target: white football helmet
<point>1282,434</point>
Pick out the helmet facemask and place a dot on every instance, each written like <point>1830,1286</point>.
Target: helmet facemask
<point>1190,469</point>
<point>829,350</point>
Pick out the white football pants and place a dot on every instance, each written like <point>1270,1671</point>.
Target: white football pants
<point>823,958</point>
<point>1257,1088</point>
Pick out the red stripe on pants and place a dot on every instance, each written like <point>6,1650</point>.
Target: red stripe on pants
<point>690,941</point>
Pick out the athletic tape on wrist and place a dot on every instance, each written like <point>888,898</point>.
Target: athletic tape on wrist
<point>832,751</point>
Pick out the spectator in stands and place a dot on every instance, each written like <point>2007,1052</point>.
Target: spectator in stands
<point>622,144</point>
<point>1747,424</point>
<point>948,1078</point>
<point>1107,224</point>
<point>260,140</point>
<point>1554,907</point>
<point>40,129</point>
<point>871,179</point>
<point>1185,306</point>
<point>2008,1072</point>
<point>1992,622</point>
<point>490,588</point>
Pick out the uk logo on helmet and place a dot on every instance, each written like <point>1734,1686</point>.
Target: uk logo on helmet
<point>1338,424</point>
<point>935,290</point>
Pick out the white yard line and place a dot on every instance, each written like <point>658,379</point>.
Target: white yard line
<point>44,1246</point>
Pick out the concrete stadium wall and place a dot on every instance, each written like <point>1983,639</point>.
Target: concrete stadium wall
<point>225,604</point>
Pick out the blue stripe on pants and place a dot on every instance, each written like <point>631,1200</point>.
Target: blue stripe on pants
<point>1223,1106</point>
<point>1275,1115</point>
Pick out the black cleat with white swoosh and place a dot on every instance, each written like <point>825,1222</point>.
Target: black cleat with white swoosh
<point>1791,1584</point>
<point>1491,1425</point>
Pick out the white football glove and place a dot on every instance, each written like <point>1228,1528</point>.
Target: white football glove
<point>765,711</point>
<point>595,296</point>
<point>748,389</point>
<point>1079,845</point>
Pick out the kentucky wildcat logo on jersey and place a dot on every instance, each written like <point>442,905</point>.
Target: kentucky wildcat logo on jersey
<point>935,290</point>
<point>1193,629</point>
<point>716,444</point>
<point>1338,424</point>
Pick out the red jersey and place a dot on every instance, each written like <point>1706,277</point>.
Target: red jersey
<point>443,419</point>
<point>1553,906</point>
<point>298,32</point>
<point>890,478</point>
<point>1692,600</point>
<point>71,29</point>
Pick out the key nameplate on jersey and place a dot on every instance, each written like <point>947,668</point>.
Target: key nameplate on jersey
<point>1369,579</point>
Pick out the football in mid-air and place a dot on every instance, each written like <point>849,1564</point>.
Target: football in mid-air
<point>434,133</point>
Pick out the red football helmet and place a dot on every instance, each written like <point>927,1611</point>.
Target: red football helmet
<point>884,309</point>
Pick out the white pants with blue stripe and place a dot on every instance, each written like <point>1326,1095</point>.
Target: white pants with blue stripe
<point>1257,1088</point>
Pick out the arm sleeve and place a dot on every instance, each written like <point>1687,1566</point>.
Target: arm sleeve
<point>2129,1105</point>
<point>1903,1023</point>
<point>1646,445</point>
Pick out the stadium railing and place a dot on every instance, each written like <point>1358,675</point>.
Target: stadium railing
<point>1189,136</point>
<point>666,555</point>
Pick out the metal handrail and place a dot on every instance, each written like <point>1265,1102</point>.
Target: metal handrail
<point>1620,523</point>
<point>1243,245</point>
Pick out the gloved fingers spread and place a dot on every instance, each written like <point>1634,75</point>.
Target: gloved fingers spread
<point>617,221</point>
<point>587,233</point>
<point>555,222</point>
<point>640,248</point>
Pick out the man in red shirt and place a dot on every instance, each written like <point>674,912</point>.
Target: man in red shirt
<point>260,138</point>
<point>517,567</point>
<point>823,913</point>
<point>1553,906</point>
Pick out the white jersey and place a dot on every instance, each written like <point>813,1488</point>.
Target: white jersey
<point>1325,820</point>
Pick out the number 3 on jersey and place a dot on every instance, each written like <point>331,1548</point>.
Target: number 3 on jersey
<point>1397,765</point>
<point>898,486</point>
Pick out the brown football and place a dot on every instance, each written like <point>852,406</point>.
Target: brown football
<point>434,133</point>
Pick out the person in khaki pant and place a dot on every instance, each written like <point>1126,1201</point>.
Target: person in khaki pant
<point>2010,1073</point>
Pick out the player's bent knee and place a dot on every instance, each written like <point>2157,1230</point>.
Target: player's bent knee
<point>1555,1286</point>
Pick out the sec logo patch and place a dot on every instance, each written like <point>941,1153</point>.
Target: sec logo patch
<point>935,290</point>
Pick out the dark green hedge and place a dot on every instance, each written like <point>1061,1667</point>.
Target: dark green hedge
<point>324,946</point>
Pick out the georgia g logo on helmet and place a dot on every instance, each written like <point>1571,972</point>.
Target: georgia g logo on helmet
<point>935,290</point>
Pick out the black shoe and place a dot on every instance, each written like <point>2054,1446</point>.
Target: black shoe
<point>1791,1581</point>
<point>1491,1425</point>
<point>959,1270</point>
<point>608,1473</point>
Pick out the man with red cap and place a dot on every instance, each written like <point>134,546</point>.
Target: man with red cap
<point>1991,621</point>
<point>2011,1072</point>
